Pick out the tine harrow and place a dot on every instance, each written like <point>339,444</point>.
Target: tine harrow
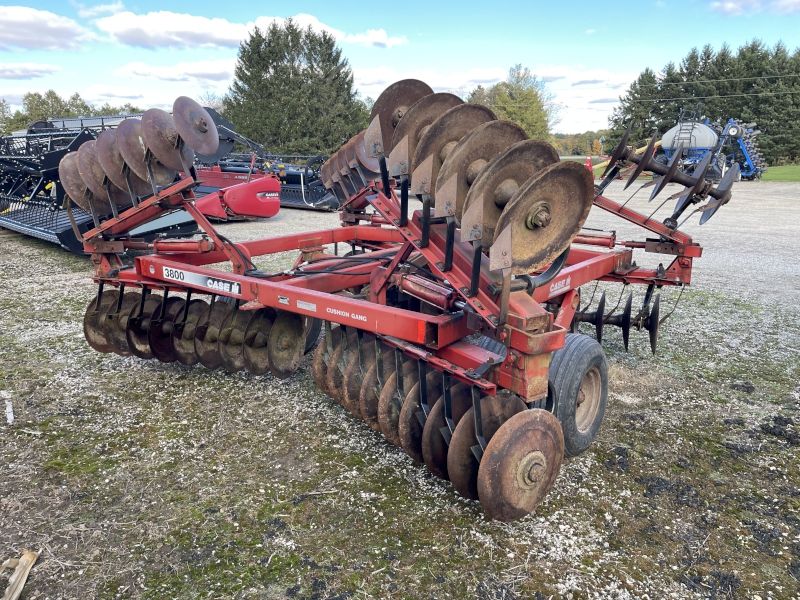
<point>496,252</point>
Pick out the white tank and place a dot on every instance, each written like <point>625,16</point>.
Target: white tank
<point>696,134</point>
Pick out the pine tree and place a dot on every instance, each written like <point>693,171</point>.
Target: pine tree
<point>293,91</point>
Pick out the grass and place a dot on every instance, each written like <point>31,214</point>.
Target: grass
<point>786,173</point>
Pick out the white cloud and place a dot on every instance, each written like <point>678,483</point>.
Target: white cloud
<point>733,8</point>
<point>26,70</point>
<point>169,29</point>
<point>371,82</point>
<point>374,37</point>
<point>106,93</point>
<point>590,31</point>
<point>204,70</point>
<point>23,27</point>
<point>86,12</point>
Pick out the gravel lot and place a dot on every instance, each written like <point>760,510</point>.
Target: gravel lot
<point>146,480</point>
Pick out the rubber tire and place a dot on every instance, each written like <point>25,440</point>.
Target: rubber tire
<point>312,337</point>
<point>568,367</point>
<point>494,346</point>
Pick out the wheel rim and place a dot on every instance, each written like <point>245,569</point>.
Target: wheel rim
<point>588,401</point>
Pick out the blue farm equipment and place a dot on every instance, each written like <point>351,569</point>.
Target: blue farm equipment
<point>728,144</point>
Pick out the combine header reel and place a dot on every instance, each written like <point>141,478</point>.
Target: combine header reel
<point>445,326</point>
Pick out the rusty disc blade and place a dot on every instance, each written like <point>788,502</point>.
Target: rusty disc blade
<point>409,427</point>
<point>138,325</point>
<point>256,338</point>
<point>390,403</point>
<point>520,464</point>
<point>334,377</point>
<point>93,175</point>
<point>444,133</point>
<point>94,321</point>
<point>183,333</point>
<point>207,334</point>
<point>462,466</point>
<point>231,336</point>
<point>132,147</point>
<point>160,135</point>
<point>369,164</point>
<point>560,197</point>
<point>503,176</point>
<point>195,126</point>
<point>434,448</point>
<point>354,161</point>
<point>71,180</point>
<point>420,116</point>
<point>114,165</point>
<point>319,366</point>
<point>470,157</point>
<point>116,323</point>
<point>393,103</point>
<point>286,344</point>
<point>160,333</point>
<point>370,393</point>
<point>354,377</point>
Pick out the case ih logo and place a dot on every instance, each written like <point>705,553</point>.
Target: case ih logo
<point>559,286</point>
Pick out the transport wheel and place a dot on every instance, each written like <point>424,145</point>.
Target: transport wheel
<point>256,336</point>
<point>183,333</point>
<point>231,336</point>
<point>138,325</point>
<point>578,385</point>
<point>207,333</point>
<point>410,428</point>
<point>434,447</point>
<point>520,465</point>
<point>94,320</point>
<point>160,332</point>
<point>369,395</point>
<point>312,328</point>
<point>115,323</point>
<point>462,466</point>
<point>390,405</point>
<point>286,344</point>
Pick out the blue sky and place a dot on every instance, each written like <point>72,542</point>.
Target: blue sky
<point>150,52</point>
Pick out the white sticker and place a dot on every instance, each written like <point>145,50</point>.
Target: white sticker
<point>306,306</point>
<point>283,300</point>
<point>212,283</point>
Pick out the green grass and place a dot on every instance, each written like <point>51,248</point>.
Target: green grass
<point>787,173</point>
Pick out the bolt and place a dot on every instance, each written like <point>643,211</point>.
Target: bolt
<point>539,218</point>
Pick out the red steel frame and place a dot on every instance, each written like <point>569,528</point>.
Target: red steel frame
<point>531,332</point>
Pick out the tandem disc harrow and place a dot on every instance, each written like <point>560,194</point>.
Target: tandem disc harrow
<point>444,328</point>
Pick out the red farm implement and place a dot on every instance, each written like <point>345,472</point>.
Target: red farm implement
<point>446,328</point>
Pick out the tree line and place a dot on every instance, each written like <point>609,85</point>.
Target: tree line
<point>754,84</point>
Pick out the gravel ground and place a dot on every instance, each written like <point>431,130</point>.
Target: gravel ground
<point>146,480</point>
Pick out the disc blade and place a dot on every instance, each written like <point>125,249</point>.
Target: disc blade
<point>520,465</point>
<point>71,181</point>
<point>393,103</point>
<point>443,135</point>
<point>160,135</point>
<point>184,331</point>
<point>620,149</point>
<point>94,321</point>
<point>337,367</point>
<point>231,336</point>
<point>256,338</point>
<point>559,197</point>
<point>434,447</point>
<point>138,325</point>
<point>390,403</point>
<point>471,156</point>
<point>369,395</point>
<point>644,160</point>
<point>409,428</point>
<point>116,323</point>
<point>133,149</point>
<point>354,376</point>
<point>286,344</point>
<point>160,333</point>
<point>114,165</point>
<point>207,334</point>
<point>195,126</point>
<point>93,176</point>
<point>503,176</point>
<point>419,117</point>
<point>462,466</point>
